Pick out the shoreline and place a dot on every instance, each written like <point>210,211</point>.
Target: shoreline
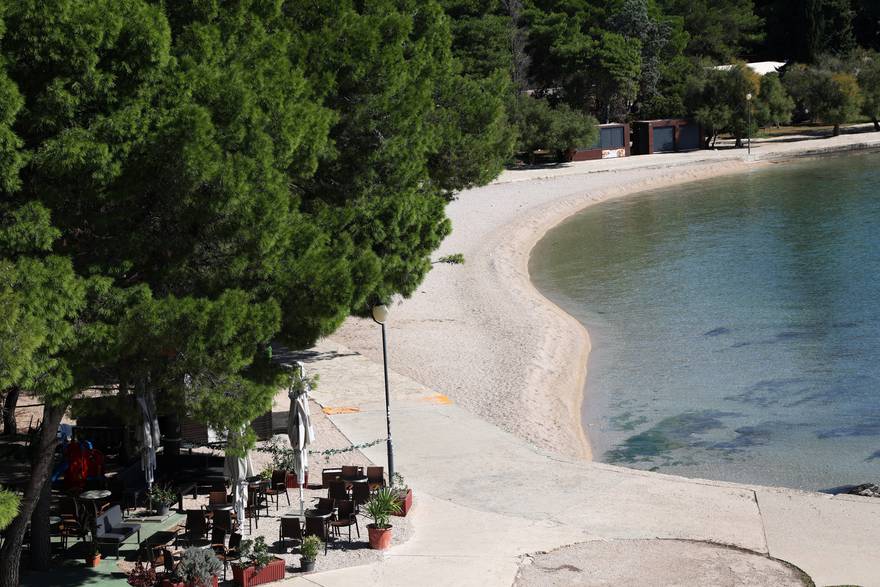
<point>500,348</point>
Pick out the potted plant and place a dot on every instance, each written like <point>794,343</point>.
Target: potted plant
<point>198,567</point>
<point>161,499</point>
<point>259,566</point>
<point>403,493</point>
<point>93,554</point>
<point>380,508</point>
<point>141,576</point>
<point>311,546</point>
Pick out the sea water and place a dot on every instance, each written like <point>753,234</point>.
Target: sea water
<point>735,323</point>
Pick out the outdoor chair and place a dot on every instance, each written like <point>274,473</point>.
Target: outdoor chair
<point>277,486</point>
<point>351,471</point>
<point>318,527</point>
<point>290,529</point>
<point>325,505</point>
<point>376,477</point>
<point>167,562</point>
<point>223,519</point>
<point>228,554</point>
<point>110,530</point>
<point>328,475</point>
<point>218,538</point>
<point>196,528</point>
<point>360,494</point>
<point>252,509</point>
<point>345,517</point>
<point>72,520</point>
<point>337,490</point>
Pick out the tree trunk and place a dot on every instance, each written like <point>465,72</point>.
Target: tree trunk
<point>876,124</point>
<point>10,554</point>
<point>836,130</point>
<point>10,424</point>
<point>41,546</point>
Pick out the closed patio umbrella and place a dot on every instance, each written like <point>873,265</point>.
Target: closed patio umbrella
<point>300,430</point>
<point>238,469</point>
<point>148,434</point>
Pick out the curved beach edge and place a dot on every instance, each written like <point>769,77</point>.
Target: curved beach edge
<point>484,335</point>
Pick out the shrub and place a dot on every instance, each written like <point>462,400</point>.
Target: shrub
<point>198,566</point>
<point>381,506</point>
<point>311,546</point>
<point>8,507</point>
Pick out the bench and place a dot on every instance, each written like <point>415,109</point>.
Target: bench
<point>109,529</point>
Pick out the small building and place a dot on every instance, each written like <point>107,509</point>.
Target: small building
<point>666,136</point>
<point>612,142</point>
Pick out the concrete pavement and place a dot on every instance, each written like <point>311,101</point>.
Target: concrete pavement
<point>484,499</point>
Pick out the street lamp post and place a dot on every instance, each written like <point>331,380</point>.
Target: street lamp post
<point>749,129</point>
<point>380,315</point>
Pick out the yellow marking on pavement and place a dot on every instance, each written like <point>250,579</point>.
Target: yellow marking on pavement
<point>330,411</point>
<point>438,398</point>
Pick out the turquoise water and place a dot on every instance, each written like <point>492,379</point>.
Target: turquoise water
<point>735,323</point>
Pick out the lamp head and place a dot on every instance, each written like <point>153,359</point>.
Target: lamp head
<point>749,96</point>
<point>380,313</point>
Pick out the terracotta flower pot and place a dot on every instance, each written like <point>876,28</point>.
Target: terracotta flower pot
<point>93,561</point>
<point>380,538</point>
<point>290,480</point>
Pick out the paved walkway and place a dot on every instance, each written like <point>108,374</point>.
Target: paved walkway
<point>484,499</point>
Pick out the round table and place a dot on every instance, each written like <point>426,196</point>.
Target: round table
<point>94,496</point>
<point>318,514</point>
<point>220,507</point>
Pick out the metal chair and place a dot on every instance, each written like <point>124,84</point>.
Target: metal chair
<point>228,554</point>
<point>376,477</point>
<point>360,494</point>
<point>277,486</point>
<point>290,529</point>
<point>196,527</point>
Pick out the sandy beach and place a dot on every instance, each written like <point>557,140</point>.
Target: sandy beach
<point>483,335</point>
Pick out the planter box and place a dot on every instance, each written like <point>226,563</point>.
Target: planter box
<point>170,583</point>
<point>405,503</point>
<point>291,483</point>
<point>247,576</point>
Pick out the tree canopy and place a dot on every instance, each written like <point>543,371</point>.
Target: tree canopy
<point>185,183</point>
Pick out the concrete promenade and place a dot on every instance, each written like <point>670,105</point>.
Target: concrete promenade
<point>483,381</point>
<point>484,499</point>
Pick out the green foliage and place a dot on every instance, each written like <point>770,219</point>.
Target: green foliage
<point>162,495</point>
<point>717,29</point>
<point>717,99</point>
<point>256,552</point>
<point>454,259</point>
<point>868,64</point>
<point>8,507</point>
<point>311,546</point>
<point>827,92</point>
<point>198,566</point>
<point>616,67</point>
<point>773,105</point>
<point>382,506</point>
<point>556,129</point>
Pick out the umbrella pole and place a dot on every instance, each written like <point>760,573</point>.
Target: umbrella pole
<point>302,507</point>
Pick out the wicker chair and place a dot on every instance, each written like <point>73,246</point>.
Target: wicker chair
<point>346,517</point>
<point>318,527</point>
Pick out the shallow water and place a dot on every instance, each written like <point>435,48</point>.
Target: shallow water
<point>734,323</point>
